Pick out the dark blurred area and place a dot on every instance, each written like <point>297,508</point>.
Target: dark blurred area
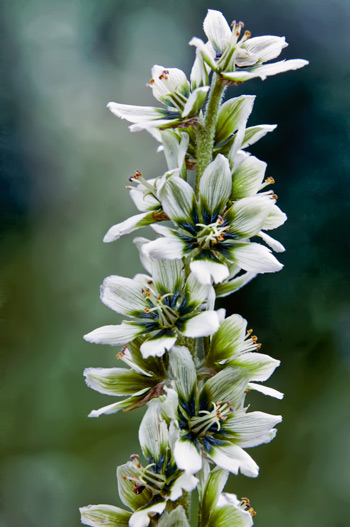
<point>66,161</point>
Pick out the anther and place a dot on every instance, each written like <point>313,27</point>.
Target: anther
<point>274,196</point>
<point>254,338</point>
<point>252,511</point>
<point>249,332</point>
<point>165,72</point>
<point>146,310</point>
<point>258,346</point>
<point>150,282</point>
<point>247,34</point>
<point>134,456</point>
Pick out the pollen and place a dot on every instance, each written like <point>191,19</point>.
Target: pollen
<point>247,34</point>
<point>151,81</point>
<point>249,332</point>
<point>220,237</point>
<point>254,338</point>
<point>274,196</point>
<point>270,180</point>
<point>252,511</point>
<point>146,310</point>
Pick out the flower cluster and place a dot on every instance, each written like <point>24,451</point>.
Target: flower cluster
<point>192,365</point>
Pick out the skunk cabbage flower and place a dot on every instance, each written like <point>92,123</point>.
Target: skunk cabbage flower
<point>160,308</point>
<point>238,60</point>
<point>170,87</point>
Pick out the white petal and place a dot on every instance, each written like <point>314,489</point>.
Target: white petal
<point>145,260</point>
<point>228,339</point>
<point>217,29</point>
<point>207,271</point>
<point>200,71</point>
<point>264,48</point>
<point>142,519</point>
<point>198,293</point>
<point>202,325</point>
<point>107,410</point>
<point>136,114</point>
<point>256,258</point>
<point>153,432</point>
<point>251,428</point>
<point>164,85</point>
<point>186,482</point>
<point>104,515</point>
<point>195,101</point>
<point>187,456</point>
<point>248,177</point>
<point>167,275</point>
<point>157,347</point>
<point>254,133</point>
<point>266,70</point>
<point>123,295</point>
<point>165,248</point>
<point>234,459</point>
<point>113,335</point>
<point>275,219</point>
<point>143,201</point>
<point>265,390</point>
<point>259,365</point>
<point>215,187</point>
<point>233,116</point>
<point>178,199</point>
<point>274,244</point>
<point>207,52</point>
<point>233,285</point>
<point>249,215</point>
<point>183,371</point>
<point>129,225</point>
<point>174,150</point>
<point>238,516</point>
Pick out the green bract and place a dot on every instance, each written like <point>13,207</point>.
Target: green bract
<point>190,365</point>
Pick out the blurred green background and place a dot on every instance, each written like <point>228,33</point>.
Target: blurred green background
<point>66,162</point>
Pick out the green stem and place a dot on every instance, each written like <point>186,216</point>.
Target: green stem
<point>206,130</point>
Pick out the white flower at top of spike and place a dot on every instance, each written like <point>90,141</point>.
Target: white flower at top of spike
<point>160,308</point>
<point>214,232</point>
<point>240,59</point>
<point>170,87</point>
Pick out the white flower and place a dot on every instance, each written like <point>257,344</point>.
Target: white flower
<point>238,60</point>
<point>170,87</point>
<point>213,232</point>
<point>213,421</point>
<point>159,308</point>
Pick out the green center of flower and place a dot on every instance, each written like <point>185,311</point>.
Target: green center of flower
<point>202,423</point>
<point>146,477</point>
<point>167,316</point>
<point>211,234</point>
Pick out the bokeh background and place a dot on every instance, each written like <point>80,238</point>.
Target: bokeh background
<point>66,161</point>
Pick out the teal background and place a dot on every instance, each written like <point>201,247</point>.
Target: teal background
<point>66,162</point>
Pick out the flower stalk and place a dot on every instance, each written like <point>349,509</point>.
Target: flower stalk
<point>206,131</point>
<point>191,366</point>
